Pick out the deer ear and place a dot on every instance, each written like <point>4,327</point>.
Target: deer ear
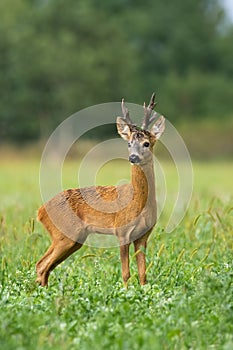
<point>123,128</point>
<point>158,127</point>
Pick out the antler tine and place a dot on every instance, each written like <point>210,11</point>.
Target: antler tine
<point>147,112</point>
<point>152,102</point>
<point>153,117</point>
<point>125,112</point>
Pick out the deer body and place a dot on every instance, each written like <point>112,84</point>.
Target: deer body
<point>127,211</point>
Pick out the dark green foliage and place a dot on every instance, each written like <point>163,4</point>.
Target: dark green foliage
<point>57,57</point>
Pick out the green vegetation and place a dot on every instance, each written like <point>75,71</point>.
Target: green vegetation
<point>187,303</point>
<point>59,56</point>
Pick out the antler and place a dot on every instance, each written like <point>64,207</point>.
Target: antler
<point>148,116</point>
<point>125,112</point>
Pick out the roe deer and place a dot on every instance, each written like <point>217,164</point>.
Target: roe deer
<point>127,211</point>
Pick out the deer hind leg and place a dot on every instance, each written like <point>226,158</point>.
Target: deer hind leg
<point>57,252</point>
<point>140,249</point>
<point>42,262</point>
<point>124,254</point>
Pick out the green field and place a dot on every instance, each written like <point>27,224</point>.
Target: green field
<point>187,303</point>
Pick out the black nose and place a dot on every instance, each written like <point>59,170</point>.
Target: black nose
<point>134,159</point>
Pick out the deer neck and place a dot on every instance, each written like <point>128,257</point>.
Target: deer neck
<point>143,182</point>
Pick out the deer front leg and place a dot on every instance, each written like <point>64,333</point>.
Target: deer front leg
<point>124,254</point>
<point>140,250</point>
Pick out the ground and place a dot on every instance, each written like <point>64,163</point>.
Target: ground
<point>187,303</point>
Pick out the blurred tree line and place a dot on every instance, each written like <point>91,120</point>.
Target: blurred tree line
<point>59,56</point>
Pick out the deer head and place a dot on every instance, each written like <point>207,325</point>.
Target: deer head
<point>141,140</point>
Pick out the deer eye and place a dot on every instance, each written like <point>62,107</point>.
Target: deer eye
<point>146,144</point>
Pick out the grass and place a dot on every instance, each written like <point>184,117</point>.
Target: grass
<point>187,304</point>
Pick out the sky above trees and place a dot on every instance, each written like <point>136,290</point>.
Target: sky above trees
<point>228,5</point>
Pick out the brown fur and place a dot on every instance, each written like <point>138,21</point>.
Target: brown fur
<point>127,211</point>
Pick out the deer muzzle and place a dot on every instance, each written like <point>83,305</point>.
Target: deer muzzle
<point>134,159</point>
